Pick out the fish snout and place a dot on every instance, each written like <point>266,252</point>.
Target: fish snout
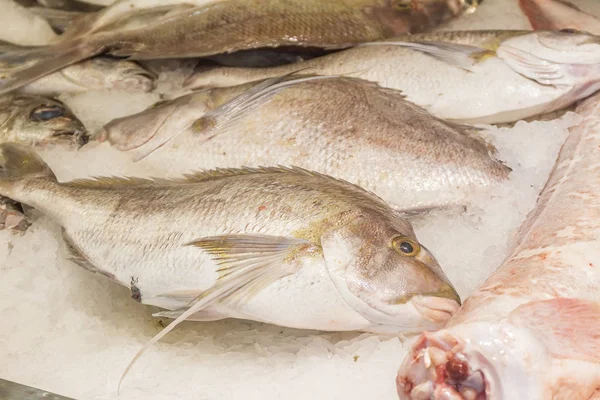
<point>137,80</point>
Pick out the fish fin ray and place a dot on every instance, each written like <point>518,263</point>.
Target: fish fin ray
<point>203,315</point>
<point>564,326</point>
<point>458,55</point>
<point>76,256</point>
<point>242,259</point>
<point>531,67</point>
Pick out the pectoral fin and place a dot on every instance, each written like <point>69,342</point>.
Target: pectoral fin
<point>530,66</point>
<point>247,264</point>
<point>223,118</point>
<point>458,55</point>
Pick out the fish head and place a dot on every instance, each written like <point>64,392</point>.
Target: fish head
<point>387,276</point>
<point>40,121</point>
<point>414,16</point>
<point>112,74</point>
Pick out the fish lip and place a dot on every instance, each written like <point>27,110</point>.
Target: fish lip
<point>435,309</point>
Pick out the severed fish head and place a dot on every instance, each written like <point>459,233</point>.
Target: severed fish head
<point>387,276</point>
<point>37,120</point>
<point>415,16</point>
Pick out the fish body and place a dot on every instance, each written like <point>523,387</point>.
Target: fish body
<point>344,127</point>
<point>285,246</point>
<point>37,120</point>
<point>100,73</point>
<point>186,30</point>
<point>558,14</point>
<point>477,77</point>
<point>530,331</point>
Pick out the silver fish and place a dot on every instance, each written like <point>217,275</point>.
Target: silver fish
<point>476,77</point>
<point>280,245</point>
<point>530,331</point>
<point>185,30</point>
<point>344,127</point>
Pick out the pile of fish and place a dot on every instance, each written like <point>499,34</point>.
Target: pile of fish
<point>314,131</point>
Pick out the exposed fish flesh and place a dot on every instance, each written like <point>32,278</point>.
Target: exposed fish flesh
<point>530,332</point>
<point>558,14</point>
<point>185,30</point>
<point>344,127</point>
<point>477,76</point>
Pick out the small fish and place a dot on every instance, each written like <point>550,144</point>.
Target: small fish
<point>344,127</point>
<point>280,245</point>
<point>470,77</point>
<point>557,15</point>
<point>39,121</point>
<point>99,73</point>
<point>188,31</point>
<point>530,332</point>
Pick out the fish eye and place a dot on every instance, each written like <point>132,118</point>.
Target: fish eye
<point>402,5</point>
<point>45,113</point>
<point>406,246</point>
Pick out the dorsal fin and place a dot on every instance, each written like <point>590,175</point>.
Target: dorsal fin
<point>115,181</point>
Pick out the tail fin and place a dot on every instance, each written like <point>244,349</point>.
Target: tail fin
<point>18,162</point>
<point>23,66</point>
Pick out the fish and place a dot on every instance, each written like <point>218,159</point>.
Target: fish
<point>344,127</point>
<point>465,76</point>
<point>39,121</point>
<point>189,31</point>
<point>281,245</point>
<point>530,331</point>
<point>557,15</point>
<point>99,73</point>
<point>21,26</point>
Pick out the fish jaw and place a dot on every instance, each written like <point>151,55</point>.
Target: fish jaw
<point>474,361</point>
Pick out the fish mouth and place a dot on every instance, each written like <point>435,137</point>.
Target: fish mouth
<point>137,79</point>
<point>76,137</point>
<point>435,309</point>
<point>440,367</point>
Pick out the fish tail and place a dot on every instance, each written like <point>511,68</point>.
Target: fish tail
<point>22,66</point>
<point>19,162</point>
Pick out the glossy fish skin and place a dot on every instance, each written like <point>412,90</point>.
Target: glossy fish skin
<point>100,73</point>
<point>241,238</point>
<point>40,121</point>
<point>185,30</point>
<point>344,127</point>
<point>487,76</point>
<point>530,331</point>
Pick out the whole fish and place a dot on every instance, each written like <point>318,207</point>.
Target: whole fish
<point>477,76</point>
<point>344,127</point>
<point>281,245</point>
<point>186,30</point>
<point>558,14</point>
<point>530,332</point>
<point>40,121</point>
<point>20,26</point>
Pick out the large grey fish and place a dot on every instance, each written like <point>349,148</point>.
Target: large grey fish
<point>531,330</point>
<point>185,30</point>
<point>344,127</point>
<point>36,120</point>
<point>284,246</point>
<point>477,76</point>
